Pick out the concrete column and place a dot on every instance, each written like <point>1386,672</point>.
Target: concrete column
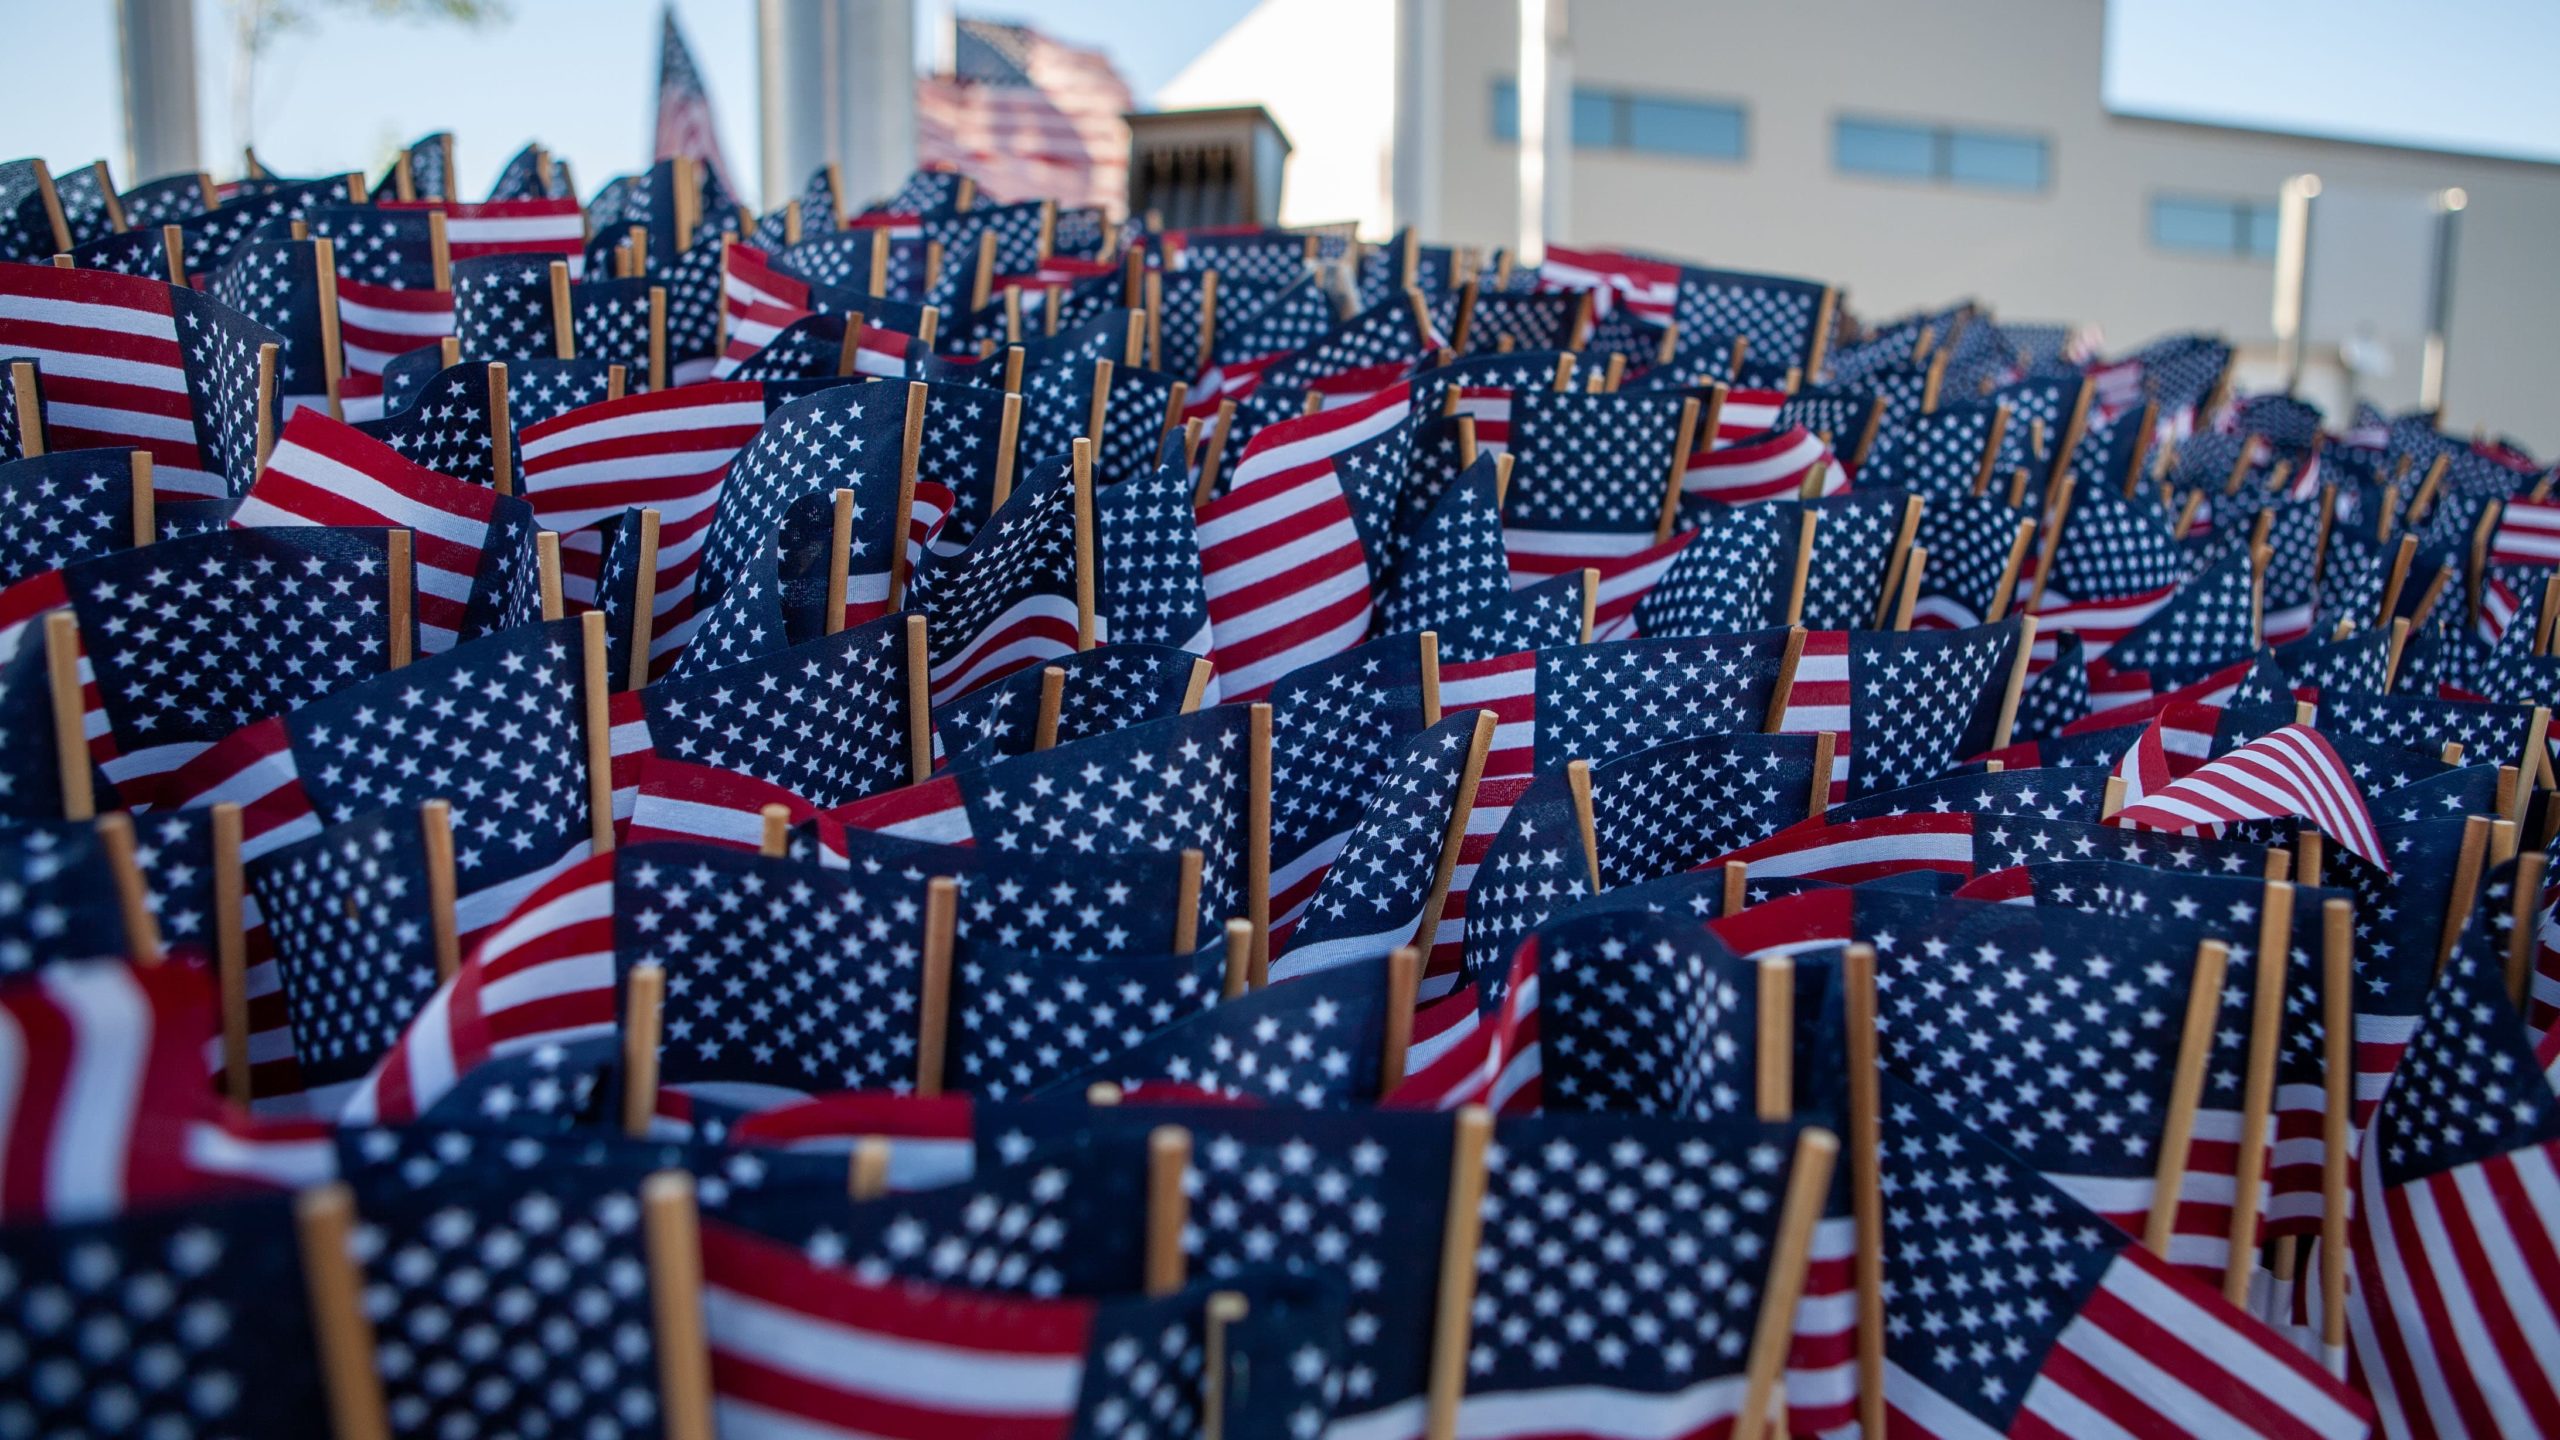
<point>836,82</point>
<point>156,45</point>
<point>1421,111</point>
<point>1546,125</point>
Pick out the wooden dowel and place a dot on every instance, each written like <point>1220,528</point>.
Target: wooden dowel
<point>2195,1052</point>
<point>231,951</point>
<point>1825,752</point>
<point>2466,887</point>
<point>1168,1207</point>
<point>1186,902</point>
<point>840,559</point>
<point>867,1171</point>
<point>599,734</point>
<point>2006,724</point>
<point>435,840</point>
<point>145,505</point>
<point>1804,565</point>
<point>1808,1184</point>
<point>1577,779</point>
<point>1774,1074</point>
<point>1788,661</point>
<point>933,1006</point>
<point>325,1219</point>
<point>2337,1119</point>
<point>1428,646</point>
<point>133,893</point>
<point>1081,475</point>
<point>564,335</point>
<point>673,1240</point>
<point>1258,836</point>
<point>644,995</point>
<point>643,636</point>
<point>546,561</point>
<point>2271,960</point>
<point>1453,838</point>
<point>1053,693</point>
<point>1451,1318</point>
<point>1404,983</point>
<point>910,458</point>
<point>1866,1180</point>
<point>773,839</point>
<point>1237,977</point>
<point>70,716</point>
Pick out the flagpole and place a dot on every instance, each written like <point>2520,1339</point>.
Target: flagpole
<point>2266,1022</point>
<point>1808,1183</point>
<point>325,1217</point>
<point>2177,1134</point>
<point>1168,1207</point>
<point>673,1242</point>
<point>1460,1230</point>
<point>644,993</point>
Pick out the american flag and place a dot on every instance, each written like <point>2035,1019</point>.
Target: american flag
<point>804,1348</point>
<point>2101,1332</point>
<point>1367,898</point>
<point>389,301</point>
<point>1314,1043</point>
<point>1773,465</point>
<point>61,508</point>
<point>1648,287</point>
<point>1025,115</point>
<point>2292,772</point>
<point>280,283</point>
<point>1730,575</point>
<point>1336,727</point>
<point>1099,691</point>
<point>670,451</point>
<point>1150,590</point>
<point>1008,601</point>
<point>134,364</point>
<point>687,128</point>
<point>502,308</point>
<point>1022,1019</point>
<point>2451,1175</point>
<point>324,473</point>
<point>552,228</point>
<point>106,1107</point>
<point>1785,319</point>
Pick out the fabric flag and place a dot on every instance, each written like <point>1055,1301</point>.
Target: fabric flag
<point>1150,591</point>
<point>2098,1335</point>
<point>134,364</point>
<point>2454,1217</point>
<point>1369,897</point>
<point>1026,115</point>
<point>2292,772</point>
<point>670,451</point>
<point>687,128</point>
<point>1008,601</point>
<point>324,473</point>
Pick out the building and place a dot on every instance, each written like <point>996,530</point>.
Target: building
<point>1912,153</point>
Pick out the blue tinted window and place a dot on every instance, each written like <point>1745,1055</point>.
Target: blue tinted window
<point>1871,147</point>
<point>2258,232</point>
<point>1506,111</point>
<point>1595,119</point>
<point>2212,225</point>
<point>2010,162</point>
<point>1683,127</point>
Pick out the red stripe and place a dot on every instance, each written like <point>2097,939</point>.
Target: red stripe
<point>2418,1264</point>
<point>47,1036</point>
<point>776,1274</point>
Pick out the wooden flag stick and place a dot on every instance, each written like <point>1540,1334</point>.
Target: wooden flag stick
<point>173,253</point>
<point>2466,886</point>
<point>657,339</point>
<point>1186,902</point>
<point>400,622</point>
<point>1404,982</point>
<point>1991,450</point>
<point>2520,934</point>
<point>867,1173</point>
<point>2337,1118</point>
<point>2531,761</point>
<point>1804,566</point>
<point>1774,1074</point>
<point>1168,1206</point>
<point>1577,779</point>
<point>910,458</point>
<point>644,995</point>
<point>614,376</point>
<point>29,405</point>
<point>673,1243</point>
<point>1784,689</point>
<point>1825,750</point>
<point>2007,589</point>
<point>933,1008</point>
<point>269,358</point>
<point>1428,645</point>
<point>1053,692</point>
<point>2391,656</point>
<point>1082,478</point>
<point>564,334</point>
<point>2186,1089</point>
<point>1590,599</point>
<point>1196,689</point>
<point>1459,1235</point>
<point>1911,577</point>
<point>502,439</point>
<point>1670,517</point>
<point>1737,880</point>
<point>644,603</point>
<point>1866,1179</point>
<point>773,839</point>
<point>2008,721</point>
<point>2258,1091</point>
<point>2391,587</point>
<point>333,359</point>
<point>839,560</point>
<point>1224,1310</point>
<point>1098,414</point>
<point>133,894</point>
<point>599,733</point>
<point>1257,828</point>
<point>1008,433</point>
<point>435,837</point>
<point>70,712</point>
<point>52,198</point>
<point>231,951</point>
<point>1808,1182</point>
<point>546,565</point>
<point>1214,458</point>
<point>324,1218</point>
<point>2058,512</point>
<point>1453,838</point>
<point>919,702</point>
<point>1237,977</point>
<point>1901,556</point>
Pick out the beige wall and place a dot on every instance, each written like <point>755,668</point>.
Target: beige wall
<point>2080,250</point>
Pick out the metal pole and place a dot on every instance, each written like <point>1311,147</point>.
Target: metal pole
<point>2440,300</point>
<point>838,86</point>
<point>2293,269</point>
<point>1530,106</point>
<point>156,48</point>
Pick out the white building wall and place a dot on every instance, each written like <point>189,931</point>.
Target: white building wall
<point>2079,250</point>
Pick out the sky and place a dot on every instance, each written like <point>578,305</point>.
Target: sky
<point>2467,75</point>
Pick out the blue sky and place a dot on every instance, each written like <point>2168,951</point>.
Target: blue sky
<point>2468,75</point>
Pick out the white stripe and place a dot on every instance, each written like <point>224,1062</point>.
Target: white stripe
<point>1933,1414</point>
<point>893,1368</point>
<point>748,413</point>
<point>111,1027</point>
<point>1246,679</point>
<point>1600,1411</point>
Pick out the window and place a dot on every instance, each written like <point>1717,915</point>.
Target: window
<point>2211,225</point>
<point>1636,123</point>
<point>1982,159</point>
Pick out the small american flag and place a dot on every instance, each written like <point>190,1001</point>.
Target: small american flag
<point>1024,115</point>
<point>687,128</point>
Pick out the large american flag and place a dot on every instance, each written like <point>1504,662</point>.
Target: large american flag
<point>1027,116</point>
